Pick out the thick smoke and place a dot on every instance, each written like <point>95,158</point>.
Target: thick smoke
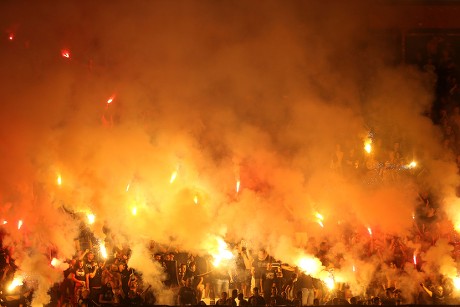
<point>206,96</point>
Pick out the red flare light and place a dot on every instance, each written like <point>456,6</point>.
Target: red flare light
<point>65,53</point>
<point>110,100</point>
<point>11,36</point>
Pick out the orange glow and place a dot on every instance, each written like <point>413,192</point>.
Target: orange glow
<point>369,230</point>
<point>195,200</point>
<point>309,265</point>
<point>55,262</point>
<point>238,183</point>
<point>91,218</point>
<point>110,100</point>
<point>103,250</point>
<point>59,180</point>
<point>19,224</point>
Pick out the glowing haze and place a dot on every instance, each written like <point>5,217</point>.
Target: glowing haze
<point>157,110</point>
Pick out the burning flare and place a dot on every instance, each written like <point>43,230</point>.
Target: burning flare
<point>17,281</point>
<point>369,230</point>
<point>59,180</point>
<point>91,218</point>
<point>368,146</point>
<point>20,224</point>
<point>219,251</point>
<point>103,250</point>
<point>238,183</point>
<point>65,53</point>
<point>173,177</point>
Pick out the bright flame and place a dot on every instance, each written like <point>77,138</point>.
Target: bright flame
<point>354,268</point>
<point>103,250</point>
<point>321,224</point>
<point>91,218</point>
<point>457,226</point>
<point>127,187</point>
<point>369,230</point>
<point>65,53</point>
<point>415,259</point>
<point>11,36</point>
<point>309,265</point>
<point>5,222</point>
<point>330,283</point>
<point>220,252</point>
<point>173,177</point>
<point>368,146</point>
<point>238,183</point>
<point>19,224</point>
<point>55,262</point>
<point>456,281</point>
<point>134,211</point>
<point>109,101</point>
<point>17,281</point>
<point>59,179</point>
<point>319,216</point>
<point>195,200</point>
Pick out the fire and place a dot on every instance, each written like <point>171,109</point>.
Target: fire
<point>319,219</point>
<point>5,222</point>
<point>369,230</point>
<point>354,268</point>
<point>173,177</point>
<point>127,187</point>
<point>91,218</point>
<point>134,211</point>
<point>11,36</point>
<point>103,250</point>
<point>55,262</point>
<point>413,164</point>
<point>20,224</point>
<point>238,183</point>
<point>195,199</point>
<point>309,265</point>
<point>415,259</point>
<point>17,281</point>
<point>59,179</point>
<point>456,281</point>
<point>368,146</point>
<point>220,252</point>
<point>110,100</point>
<point>330,283</point>
<point>65,53</point>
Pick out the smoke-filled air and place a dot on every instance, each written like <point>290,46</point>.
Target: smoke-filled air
<point>195,125</point>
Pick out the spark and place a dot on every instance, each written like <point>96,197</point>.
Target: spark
<point>127,187</point>
<point>17,281</point>
<point>173,177</point>
<point>354,268</point>
<point>59,179</point>
<point>65,53</point>
<point>11,36</point>
<point>5,222</point>
<point>19,224</point>
<point>321,223</point>
<point>195,199</point>
<point>91,218</point>
<point>369,230</point>
<point>415,258</point>
<point>413,164</point>
<point>238,184</point>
